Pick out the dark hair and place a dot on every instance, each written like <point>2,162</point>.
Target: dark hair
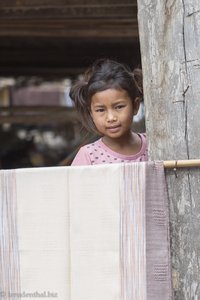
<point>102,75</point>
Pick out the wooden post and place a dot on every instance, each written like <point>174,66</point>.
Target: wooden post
<point>170,48</point>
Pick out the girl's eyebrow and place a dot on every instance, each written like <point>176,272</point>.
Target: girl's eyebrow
<point>98,105</point>
<point>119,102</point>
<point>113,104</point>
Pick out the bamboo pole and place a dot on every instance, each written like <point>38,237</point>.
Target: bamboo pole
<point>173,164</point>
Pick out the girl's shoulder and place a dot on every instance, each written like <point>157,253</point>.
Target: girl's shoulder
<point>93,145</point>
<point>143,134</point>
<point>95,152</point>
<point>144,149</point>
<point>143,137</point>
<point>86,154</point>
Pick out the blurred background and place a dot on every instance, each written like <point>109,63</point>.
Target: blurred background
<point>45,45</point>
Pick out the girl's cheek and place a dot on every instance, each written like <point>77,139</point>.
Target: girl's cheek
<point>99,117</point>
<point>99,122</point>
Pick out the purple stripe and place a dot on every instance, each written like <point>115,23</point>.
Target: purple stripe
<point>133,233</point>
<point>144,233</point>
<point>157,229</point>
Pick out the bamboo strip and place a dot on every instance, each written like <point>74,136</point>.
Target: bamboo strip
<point>171,164</point>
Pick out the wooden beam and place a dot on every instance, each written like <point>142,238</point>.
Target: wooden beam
<point>173,164</point>
<point>170,43</point>
<point>35,3</point>
<point>68,11</point>
<point>36,108</point>
<point>45,71</point>
<point>37,115</point>
<point>124,28</point>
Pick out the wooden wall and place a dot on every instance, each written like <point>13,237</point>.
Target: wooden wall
<point>170,47</point>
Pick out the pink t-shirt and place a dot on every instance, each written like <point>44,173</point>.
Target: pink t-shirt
<point>98,153</point>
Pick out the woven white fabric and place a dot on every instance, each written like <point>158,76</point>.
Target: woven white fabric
<point>85,233</point>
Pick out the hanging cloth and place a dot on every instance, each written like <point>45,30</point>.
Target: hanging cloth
<point>85,233</point>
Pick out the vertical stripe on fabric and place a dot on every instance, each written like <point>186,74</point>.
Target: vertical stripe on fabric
<point>133,232</point>
<point>9,252</point>
<point>157,234</point>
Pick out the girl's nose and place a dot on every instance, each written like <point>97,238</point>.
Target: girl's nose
<point>111,116</point>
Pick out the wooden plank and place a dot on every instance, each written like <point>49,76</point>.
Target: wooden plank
<point>39,118</point>
<point>69,11</point>
<point>36,108</point>
<point>170,47</point>
<point>124,28</point>
<point>33,3</point>
<point>46,71</point>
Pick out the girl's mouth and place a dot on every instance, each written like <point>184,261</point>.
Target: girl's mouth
<point>113,128</point>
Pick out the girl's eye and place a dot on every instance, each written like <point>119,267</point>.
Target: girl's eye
<point>120,106</point>
<point>99,110</point>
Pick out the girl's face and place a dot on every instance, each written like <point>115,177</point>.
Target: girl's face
<point>112,112</point>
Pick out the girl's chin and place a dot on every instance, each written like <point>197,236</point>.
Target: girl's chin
<point>118,134</point>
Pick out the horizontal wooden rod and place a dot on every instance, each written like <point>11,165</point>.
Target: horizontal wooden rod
<point>190,163</point>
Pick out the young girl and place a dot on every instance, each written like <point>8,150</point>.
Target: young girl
<point>106,100</point>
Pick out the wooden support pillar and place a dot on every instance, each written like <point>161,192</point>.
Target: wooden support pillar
<point>170,48</point>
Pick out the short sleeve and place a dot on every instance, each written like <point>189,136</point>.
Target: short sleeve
<point>82,158</point>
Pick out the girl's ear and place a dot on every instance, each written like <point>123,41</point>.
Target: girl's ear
<point>136,105</point>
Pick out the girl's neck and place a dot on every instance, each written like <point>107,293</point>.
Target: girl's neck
<point>129,144</point>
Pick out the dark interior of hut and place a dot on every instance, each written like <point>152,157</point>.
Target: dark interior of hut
<point>44,46</point>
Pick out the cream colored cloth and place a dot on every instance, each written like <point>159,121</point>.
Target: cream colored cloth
<point>85,233</point>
